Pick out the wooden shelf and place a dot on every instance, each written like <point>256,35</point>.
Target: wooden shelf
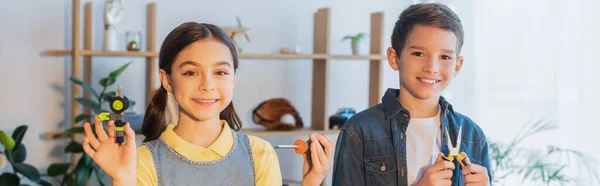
<point>241,56</point>
<point>282,56</point>
<point>309,56</point>
<point>102,53</point>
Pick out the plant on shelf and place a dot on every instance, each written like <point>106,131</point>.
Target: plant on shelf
<point>85,166</point>
<point>355,40</point>
<point>540,167</point>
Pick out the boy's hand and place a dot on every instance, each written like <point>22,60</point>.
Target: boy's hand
<point>321,160</point>
<point>437,174</point>
<point>475,175</point>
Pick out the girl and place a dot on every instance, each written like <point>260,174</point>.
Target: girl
<point>197,69</point>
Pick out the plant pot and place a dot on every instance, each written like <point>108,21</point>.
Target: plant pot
<point>354,47</point>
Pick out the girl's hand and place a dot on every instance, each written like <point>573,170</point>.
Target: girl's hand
<point>119,162</point>
<point>320,162</point>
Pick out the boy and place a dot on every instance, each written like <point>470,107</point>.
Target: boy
<point>401,141</point>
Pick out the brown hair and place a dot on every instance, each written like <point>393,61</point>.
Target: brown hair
<point>430,14</point>
<point>179,38</point>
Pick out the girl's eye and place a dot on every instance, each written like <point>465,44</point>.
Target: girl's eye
<point>420,54</point>
<point>445,57</point>
<point>190,73</point>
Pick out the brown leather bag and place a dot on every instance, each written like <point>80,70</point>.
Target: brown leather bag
<point>269,114</point>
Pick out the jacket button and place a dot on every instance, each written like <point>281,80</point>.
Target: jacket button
<point>383,167</point>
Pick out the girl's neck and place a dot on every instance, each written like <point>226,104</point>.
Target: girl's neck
<point>418,108</point>
<point>200,133</point>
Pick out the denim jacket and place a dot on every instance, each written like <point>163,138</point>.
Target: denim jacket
<point>371,146</point>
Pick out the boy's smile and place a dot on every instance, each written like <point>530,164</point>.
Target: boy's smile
<point>428,61</point>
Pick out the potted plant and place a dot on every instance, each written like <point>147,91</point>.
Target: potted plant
<point>16,153</point>
<point>538,166</point>
<point>85,165</point>
<point>354,41</point>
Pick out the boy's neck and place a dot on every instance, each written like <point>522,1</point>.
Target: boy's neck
<point>419,108</point>
<point>199,133</point>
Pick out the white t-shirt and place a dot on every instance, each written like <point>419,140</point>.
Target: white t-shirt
<point>423,143</point>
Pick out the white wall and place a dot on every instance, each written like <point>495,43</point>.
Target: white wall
<point>35,88</point>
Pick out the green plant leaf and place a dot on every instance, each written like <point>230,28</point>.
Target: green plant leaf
<point>88,103</point>
<point>348,37</point>
<point>7,141</point>
<point>18,134</point>
<point>9,179</point>
<point>44,183</point>
<point>107,81</point>
<point>115,74</point>
<point>73,130</point>
<point>99,174</point>
<point>82,117</point>
<point>74,147</point>
<point>28,171</point>
<point>83,171</point>
<point>19,153</point>
<point>109,95</point>
<point>58,169</point>
<point>85,86</point>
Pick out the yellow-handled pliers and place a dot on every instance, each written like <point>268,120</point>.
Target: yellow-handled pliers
<point>455,150</point>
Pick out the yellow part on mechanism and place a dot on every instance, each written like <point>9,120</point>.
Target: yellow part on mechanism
<point>460,159</point>
<point>120,128</point>
<point>104,116</point>
<point>117,105</point>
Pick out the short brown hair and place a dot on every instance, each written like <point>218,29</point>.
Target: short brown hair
<point>430,14</point>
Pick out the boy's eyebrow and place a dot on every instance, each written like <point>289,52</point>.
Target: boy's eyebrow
<point>222,63</point>
<point>423,48</point>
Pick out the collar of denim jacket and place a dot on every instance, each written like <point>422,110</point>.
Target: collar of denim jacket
<point>392,107</point>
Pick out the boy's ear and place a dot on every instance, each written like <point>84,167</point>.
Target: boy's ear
<point>165,80</point>
<point>459,63</point>
<point>392,58</point>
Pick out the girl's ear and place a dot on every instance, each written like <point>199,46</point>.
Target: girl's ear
<point>392,58</point>
<point>165,80</point>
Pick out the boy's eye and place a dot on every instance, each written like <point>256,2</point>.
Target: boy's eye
<point>445,57</point>
<point>190,73</point>
<point>222,73</point>
<point>420,54</point>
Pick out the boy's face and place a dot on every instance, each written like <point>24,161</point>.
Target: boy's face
<point>428,61</point>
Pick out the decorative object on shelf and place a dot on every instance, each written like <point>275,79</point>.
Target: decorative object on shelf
<point>133,40</point>
<point>271,112</point>
<point>235,32</point>
<point>340,117</point>
<point>355,40</point>
<point>290,50</point>
<point>113,12</point>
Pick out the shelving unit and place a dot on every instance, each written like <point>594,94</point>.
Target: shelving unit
<point>321,58</point>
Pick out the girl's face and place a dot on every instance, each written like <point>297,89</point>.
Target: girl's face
<point>202,79</point>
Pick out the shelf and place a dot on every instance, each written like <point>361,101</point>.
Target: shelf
<point>282,56</point>
<point>309,56</point>
<point>241,56</point>
<point>102,53</point>
<point>259,132</point>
